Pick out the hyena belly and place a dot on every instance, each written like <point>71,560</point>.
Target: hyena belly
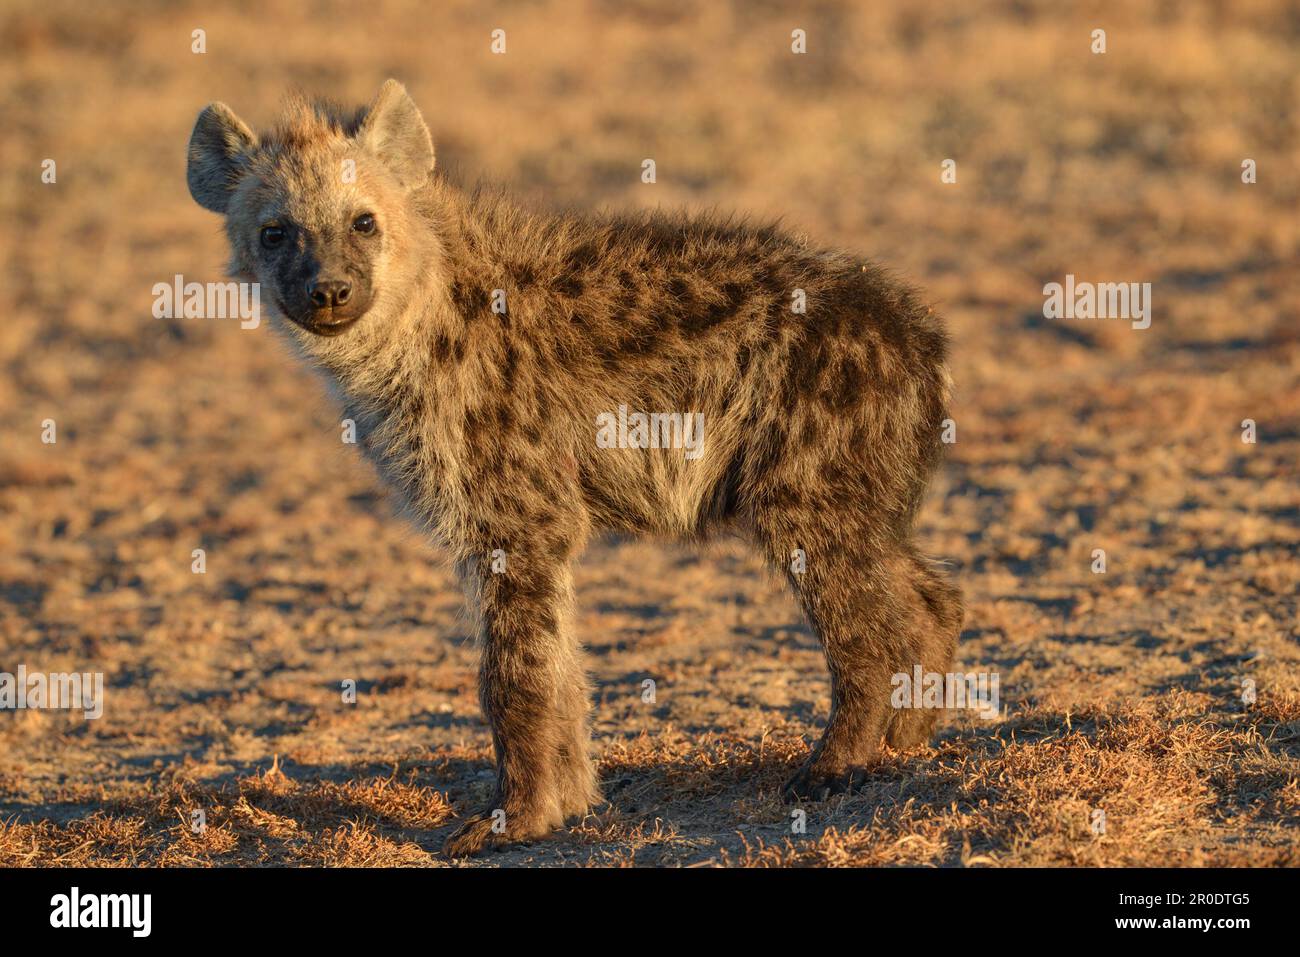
<point>666,489</point>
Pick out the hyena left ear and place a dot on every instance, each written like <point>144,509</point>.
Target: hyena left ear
<point>395,132</point>
<point>218,147</point>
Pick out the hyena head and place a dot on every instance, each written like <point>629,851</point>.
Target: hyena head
<point>320,211</point>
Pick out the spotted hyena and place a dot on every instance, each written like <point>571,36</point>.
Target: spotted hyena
<point>482,349</point>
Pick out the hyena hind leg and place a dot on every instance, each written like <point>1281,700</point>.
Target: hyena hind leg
<point>937,611</point>
<point>577,784</point>
<point>858,592</point>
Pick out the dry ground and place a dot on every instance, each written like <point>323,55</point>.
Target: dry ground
<point>1123,692</point>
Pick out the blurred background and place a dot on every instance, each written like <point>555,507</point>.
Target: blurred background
<point>1071,436</point>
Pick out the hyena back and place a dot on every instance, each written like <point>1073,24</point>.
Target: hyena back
<point>477,345</point>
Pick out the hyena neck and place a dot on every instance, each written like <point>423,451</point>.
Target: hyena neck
<point>404,374</point>
<point>480,230</point>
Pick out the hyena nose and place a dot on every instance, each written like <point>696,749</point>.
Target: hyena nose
<point>329,293</point>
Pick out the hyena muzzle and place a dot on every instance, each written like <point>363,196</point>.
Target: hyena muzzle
<point>478,347</point>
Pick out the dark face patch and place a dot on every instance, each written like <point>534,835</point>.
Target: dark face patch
<point>322,277</point>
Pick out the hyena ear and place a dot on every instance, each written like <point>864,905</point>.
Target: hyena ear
<point>218,148</point>
<point>394,130</point>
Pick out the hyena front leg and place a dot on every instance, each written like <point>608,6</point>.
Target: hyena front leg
<point>856,586</point>
<point>535,696</point>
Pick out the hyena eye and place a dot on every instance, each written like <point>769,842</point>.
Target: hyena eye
<point>364,224</point>
<point>272,236</point>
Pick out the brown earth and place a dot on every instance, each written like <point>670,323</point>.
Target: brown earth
<point>1124,692</point>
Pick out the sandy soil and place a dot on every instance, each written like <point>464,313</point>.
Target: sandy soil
<point>1123,692</point>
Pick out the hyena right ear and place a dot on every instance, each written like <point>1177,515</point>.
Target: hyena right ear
<point>394,131</point>
<point>218,147</point>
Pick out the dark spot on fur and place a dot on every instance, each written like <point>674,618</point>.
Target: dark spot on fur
<point>571,287</point>
<point>583,257</point>
<point>472,302</point>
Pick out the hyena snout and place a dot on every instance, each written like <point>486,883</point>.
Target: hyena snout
<point>329,293</point>
<point>331,301</point>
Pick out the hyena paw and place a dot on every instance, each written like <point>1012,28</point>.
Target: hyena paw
<point>815,782</point>
<point>909,728</point>
<point>493,829</point>
<point>472,837</point>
